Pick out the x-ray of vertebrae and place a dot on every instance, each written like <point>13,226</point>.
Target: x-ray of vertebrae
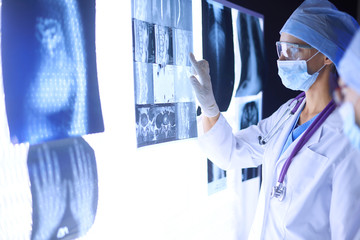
<point>218,50</point>
<point>155,124</point>
<point>64,188</point>
<point>162,40</point>
<point>49,69</point>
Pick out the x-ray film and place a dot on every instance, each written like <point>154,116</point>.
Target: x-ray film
<point>143,41</point>
<point>216,178</point>
<point>164,99</point>
<point>64,187</point>
<point>249,113</point>
<point>144,89</point>
<point>49,69</point>
<point>162,12</point>
<point>142,10</point>
<point>183,88</point>
<point>252,53</point>
<point>218,50</point>
<point>182,46</point>
<point>182,14</point>
<point>186,115</point>
<point>164,78</point>
<point>155,124</point>
<point>163,45</point>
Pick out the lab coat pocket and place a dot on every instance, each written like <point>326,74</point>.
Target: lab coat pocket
<point>305,170</point>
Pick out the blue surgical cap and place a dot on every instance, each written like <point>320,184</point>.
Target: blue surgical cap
<point>349,67</point>
<point>320,24</point>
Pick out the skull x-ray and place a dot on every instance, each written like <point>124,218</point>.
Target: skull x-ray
<point>164,99</point>
<point>64,187</point>
<point>49,69</point>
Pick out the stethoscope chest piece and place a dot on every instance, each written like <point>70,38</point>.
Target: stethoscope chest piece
<point>278,191</point>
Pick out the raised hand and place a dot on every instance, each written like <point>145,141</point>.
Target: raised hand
<point>203,88</point>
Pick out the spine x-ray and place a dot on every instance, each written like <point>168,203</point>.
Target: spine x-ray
<point>49,69</point>
<point>64,187</point>
<point>218,50</point>
<point>164,100</point>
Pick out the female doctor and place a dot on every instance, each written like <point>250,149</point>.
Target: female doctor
<point>310,187</point>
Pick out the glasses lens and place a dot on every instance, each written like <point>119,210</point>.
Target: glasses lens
<point>278,49</point>
<point>291,51</point>
<point>288,50</point>
<point>285,50</point>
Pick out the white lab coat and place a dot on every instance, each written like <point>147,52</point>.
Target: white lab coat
<point>323,181</point>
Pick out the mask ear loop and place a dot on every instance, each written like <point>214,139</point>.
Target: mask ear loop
<point>312,58</point>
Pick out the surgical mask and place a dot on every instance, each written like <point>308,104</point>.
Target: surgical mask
<point>294,74</point>
<point>350,128</point>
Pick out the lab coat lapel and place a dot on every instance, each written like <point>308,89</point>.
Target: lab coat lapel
<point>277,147</point>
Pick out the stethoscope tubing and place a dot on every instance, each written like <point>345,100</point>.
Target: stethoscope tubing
<point>307,135</point>
<point>299,99</point>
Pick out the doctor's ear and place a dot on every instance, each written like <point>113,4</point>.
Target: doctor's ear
<point>330,64</point>
<point>327,61</point>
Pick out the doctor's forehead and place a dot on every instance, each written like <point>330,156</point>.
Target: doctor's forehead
<point>285,37</point>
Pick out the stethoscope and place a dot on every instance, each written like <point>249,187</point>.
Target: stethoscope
<point>291,110</point>
<point>279,190</point>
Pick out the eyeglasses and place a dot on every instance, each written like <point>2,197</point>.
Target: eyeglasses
<point>291,51</point>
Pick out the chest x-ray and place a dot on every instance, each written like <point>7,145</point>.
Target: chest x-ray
<point>252,53</point>
<point>64,188</point>
<point>164,100</point>
<point>49,69</point>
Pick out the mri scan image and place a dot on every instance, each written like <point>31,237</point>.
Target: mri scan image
<point>142,10</point>
<point>182,14</point>
<point>163,45</point>
<point>143,41</point>
<point>182,47</point>
<point>162,12</point>
<point>183,88</point>
<point>164,99</point>
<point>155,123</point>
<point>186,115</point>
<point>48,48</point>
<point>144,88</point>
<point>64,187</point>
<point>164,77</point>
